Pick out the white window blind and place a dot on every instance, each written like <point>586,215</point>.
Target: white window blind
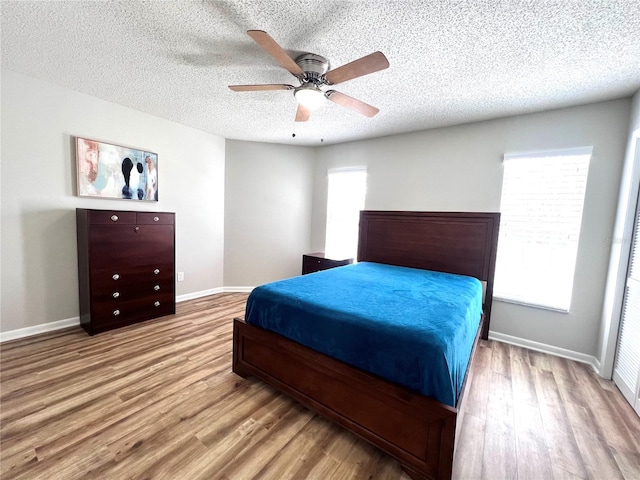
<point>541,207</point>
<point>345,199</point>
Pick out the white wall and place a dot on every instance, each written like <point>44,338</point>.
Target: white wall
<point>275,198</point>
<point>460,169</point>
<point>268,191</point>
<point>38,199</point>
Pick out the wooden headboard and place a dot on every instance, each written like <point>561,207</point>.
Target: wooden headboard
<point>462,243</point>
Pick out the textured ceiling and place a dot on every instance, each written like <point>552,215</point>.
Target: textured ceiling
<point>450,61</point>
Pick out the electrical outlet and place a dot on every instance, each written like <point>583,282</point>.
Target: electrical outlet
<point>180,276</point>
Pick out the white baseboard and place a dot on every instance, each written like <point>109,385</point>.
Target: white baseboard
<point>544,348</point>
<point>238,289</point>
<point>596,366</point>
<point>37,329</point>
<point>201,293</point>
<point>75,321</point>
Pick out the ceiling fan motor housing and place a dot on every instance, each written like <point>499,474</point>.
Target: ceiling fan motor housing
<point>314,66</point>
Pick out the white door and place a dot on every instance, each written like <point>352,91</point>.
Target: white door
<point>626,372</point>
<point>637,404</point>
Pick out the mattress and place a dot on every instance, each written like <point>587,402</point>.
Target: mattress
<point>409,326</point>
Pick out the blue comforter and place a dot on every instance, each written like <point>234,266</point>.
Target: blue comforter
<point>413,327</point>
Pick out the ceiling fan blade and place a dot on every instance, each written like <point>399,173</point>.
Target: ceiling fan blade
<point>255,88</point>
<point>363,66</point>
<point>352,103</point>
<point>302,115</point>
<point>270,46</point>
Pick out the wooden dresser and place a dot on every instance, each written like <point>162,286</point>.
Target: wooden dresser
<point>314,262</point>
<point>126,267</point>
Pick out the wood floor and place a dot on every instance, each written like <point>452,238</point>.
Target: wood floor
<point>159,400</point>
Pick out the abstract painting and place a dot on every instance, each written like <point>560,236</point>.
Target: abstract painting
<point>113,171</point>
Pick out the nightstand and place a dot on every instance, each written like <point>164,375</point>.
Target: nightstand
<point>313,262</point>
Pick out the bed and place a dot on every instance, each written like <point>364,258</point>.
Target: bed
<point>412,424</point>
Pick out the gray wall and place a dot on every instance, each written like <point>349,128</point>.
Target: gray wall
<point>460,168</point>
<point>268,191</point>
<point>39,262</point>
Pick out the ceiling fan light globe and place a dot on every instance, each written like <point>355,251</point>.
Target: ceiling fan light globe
<point>311,98</point>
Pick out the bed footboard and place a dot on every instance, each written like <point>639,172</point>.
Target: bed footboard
<point>417,431</point>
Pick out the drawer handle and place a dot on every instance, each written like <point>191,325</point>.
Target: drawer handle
<point>156,219</point>
<point>116,294</point>
<point>156,271</point>
<point>156,287</point>
<point>135,229</point>
<point>116,313</point>
<point>114,218</point>
<point>115,276</point>
<point>156,303</point>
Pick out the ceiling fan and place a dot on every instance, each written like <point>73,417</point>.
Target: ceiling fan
<point>312,71</point>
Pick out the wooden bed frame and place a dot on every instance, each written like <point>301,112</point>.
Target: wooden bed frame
<point>416,430</point>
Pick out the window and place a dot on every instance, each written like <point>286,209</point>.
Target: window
<point>345,199</point>
<point>541,206</point>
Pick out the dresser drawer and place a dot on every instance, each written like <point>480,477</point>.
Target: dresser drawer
<point>316,262</point>
<point>111,217</point>
<point>160,273</point>
<point>110,313</point>
<point>151,218</point>
<point>110,278</point>
<point>109,291</point>
<point>104,281</point>
<point>112,296</point>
